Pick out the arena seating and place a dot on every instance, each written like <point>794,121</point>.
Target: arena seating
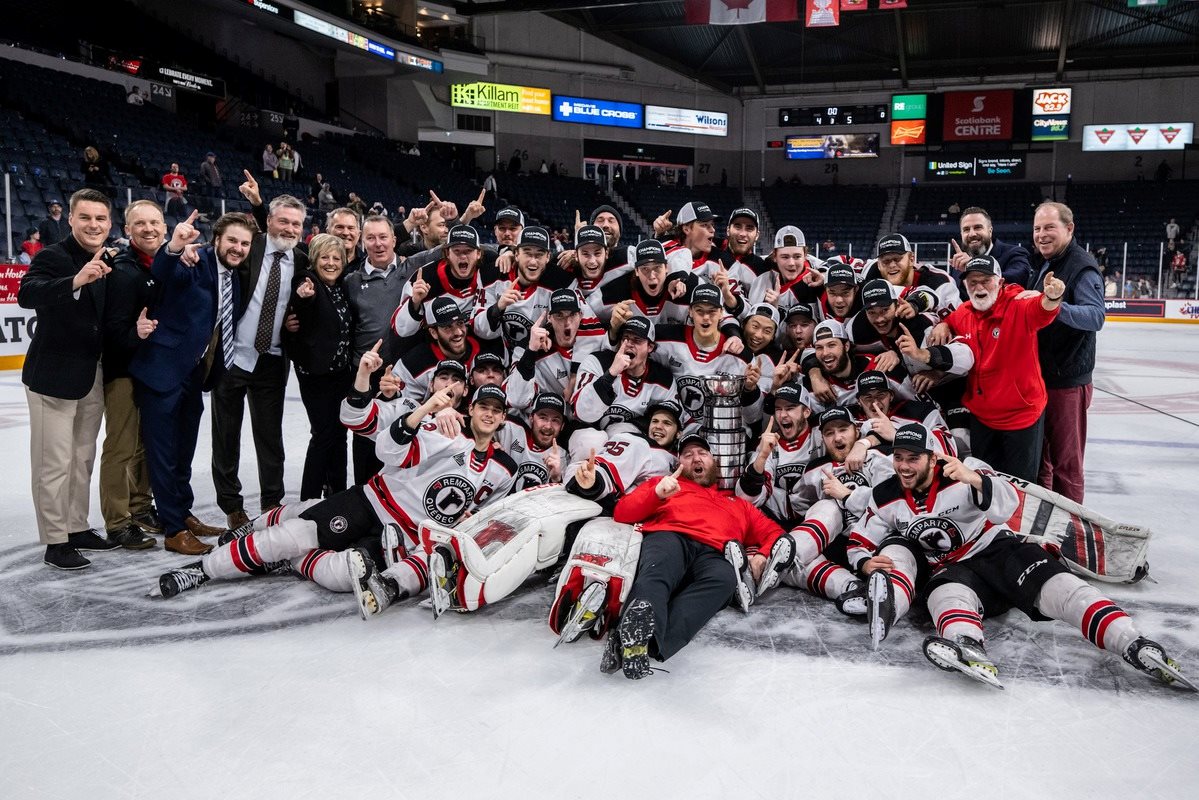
<point>846,215</point>
<point>651,200</point>
<point>1010,205</point>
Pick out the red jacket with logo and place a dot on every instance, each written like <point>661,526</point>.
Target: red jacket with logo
<point>703,513</point>
<point>1004,388</point>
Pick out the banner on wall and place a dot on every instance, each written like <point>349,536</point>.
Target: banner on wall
<point>978,116</point>
<point>597,112</point>
<point>1140,136</point>
<point>686,120</point>
<point>16,324</point>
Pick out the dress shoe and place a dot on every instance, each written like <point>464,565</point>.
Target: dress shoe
<point>64,556</point>
<point>238,519</point>
<point>184,542</point>
<point>197,528</point>
<point>148,520</point>
<point>90,540</point>
<point>131,537</point>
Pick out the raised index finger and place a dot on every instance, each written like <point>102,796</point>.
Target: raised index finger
<point>482,194</point>
<point>191,219</point>
<point>378,344</point>
<point>249,177</point>
<point>769,425</point>
<point>677,472</point>
<point>956,247</point>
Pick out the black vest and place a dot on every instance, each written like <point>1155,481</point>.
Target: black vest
<point>1067,354</point>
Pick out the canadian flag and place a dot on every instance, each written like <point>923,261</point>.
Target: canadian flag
<point>739,12</point>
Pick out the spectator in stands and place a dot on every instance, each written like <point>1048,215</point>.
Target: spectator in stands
<point>357,204</point>
<point>210,174</point>
<point>134,98</point>
<point>1171,230</point>
<point>31,246</point>
<point>1111,285</point>
<point>346,225</point>
<point>313,232</point>
<point>378,209</point>
<point>431,226</point>
<point>1178,267</point>
<point>175,186</point>
<point>270,162</point>
<point>259,370</point>
<point>514,162</point>
<point>1067,348</point>
<point>321,348</point>
<point>95,170</point>
<point>318,183</point>
<point>828,249</point>
<point>954,209</point>
<point>325,198</point>
<point>287,162</point>
<point>296,162</point>
<point>544,168</point>
<point>978,239</point>
<point>55,227</point>
<point>62,378</point>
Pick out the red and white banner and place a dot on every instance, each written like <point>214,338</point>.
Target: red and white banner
<point>822,14</point>
<point>978,116</point>
<point>854,5</point>
<point>892,3</point>
<point>739,12</point>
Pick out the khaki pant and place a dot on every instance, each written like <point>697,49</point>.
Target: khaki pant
<point>124,478</point>
<point>62,445</point>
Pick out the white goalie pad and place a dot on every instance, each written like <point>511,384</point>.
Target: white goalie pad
<point>1090,544</point>
<point>607,552</point>
<point>504,543</point>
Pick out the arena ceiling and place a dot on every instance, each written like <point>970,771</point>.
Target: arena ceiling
<point>977,39</point>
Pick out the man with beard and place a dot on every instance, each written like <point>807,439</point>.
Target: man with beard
<point>840,300</point>
<point>651,291</point>
<point>457,275</point>
<point>925,288</point>
<point>683,576</point>
<point>795,278</point>
<point>1004,390</point>
<point>941,516</point>
<point>259,370</point>
<point>771,478</point>
<point>833,368</point>
<point>533,444</point>
<point>876,399</point>
<point>429,226</point>
<point>188,346</point>
<point>450,339</point>
<point>978,239</point>
<point>627,460</point>
<point>345,224</point>
<point>742,237</point>
<point>549,362</point>
<point>691,249</point>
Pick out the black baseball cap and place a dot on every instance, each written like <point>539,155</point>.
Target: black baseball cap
<point>649,251</point>
<point>894,243</point>
<point>801,310</point>
<point>463,234</point>
<point>694,438</point>
<point>564,300</point>
<point>745,212</point>
<point>490,392</point>
<point>983,263</point>
<point>694,211</point>
<point>487,360</point>
<point>534,236</point>
<point>872,380</point>
<point>640,327</point>
<point>707,293</point>
<point>764,310</point>
<point>793,393</point>
<point>450,365</point>
<point>548,401</point>
<point>914,438</point>
<point>590,234</point>
<point>840,275</point>
<point>669,406</point>
<point>876,293</point>
<point>511,214</point>
<point>835,414</point>
<point>444,311</point>
<point>53,201</point>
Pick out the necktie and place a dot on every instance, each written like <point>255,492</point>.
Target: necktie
<point>227,318</point>
<point>266,318</point>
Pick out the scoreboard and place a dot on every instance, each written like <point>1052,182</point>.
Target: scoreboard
<point>833,115</point>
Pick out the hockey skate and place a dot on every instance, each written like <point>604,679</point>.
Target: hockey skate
<point>636,629</point>
<point>852,601</point>
<point>880,606</point>
<point>584,614</point>
<point>233,534</point>
<point>743,592</point>
<point>179,580</point>
<point>373,590</point>
<point>782,557</point>
<point>393,550</point>
<point>443,579</point>
<point>1150,657</point>
<point>964,654</point>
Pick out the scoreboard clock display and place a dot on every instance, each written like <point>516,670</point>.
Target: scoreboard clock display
<point>832,115</point>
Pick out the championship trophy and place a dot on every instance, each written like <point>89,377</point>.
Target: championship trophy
<point>724,426</point>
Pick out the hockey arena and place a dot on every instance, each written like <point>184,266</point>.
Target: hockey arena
<point>611,137</point>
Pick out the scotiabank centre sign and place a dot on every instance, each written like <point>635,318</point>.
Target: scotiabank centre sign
<point>978,116</point>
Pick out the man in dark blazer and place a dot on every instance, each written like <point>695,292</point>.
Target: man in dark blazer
<point>63,381</point>
<point>259,368</point>
<point>188,340</point>
<point>978,239</point>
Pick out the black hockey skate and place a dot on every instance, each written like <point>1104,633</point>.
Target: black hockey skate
<point>240,532</point>
<point>1150,657</point>
<point>393,550</point>
<point>965,655</point>
<point>443,579</point>
<point>584,614</point>
<point>373,590</point>
<point>782,558</point>
<point>880,606</point>
<point>852,601</point>
<point>743,592</point>
<point>179,580</point>
<point>636,629</point>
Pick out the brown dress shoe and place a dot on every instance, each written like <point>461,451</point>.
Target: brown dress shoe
<point>237,519</point>
<point>198,528</point>
<point>186,543</point>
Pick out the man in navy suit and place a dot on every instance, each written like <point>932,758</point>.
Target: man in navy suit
<point>188,344</point>
<point>978,239</point>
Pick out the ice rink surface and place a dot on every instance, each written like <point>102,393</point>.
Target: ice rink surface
<point>275,688</point>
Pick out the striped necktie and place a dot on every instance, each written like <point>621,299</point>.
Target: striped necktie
<point>270,300</point>
<point>227,318</point>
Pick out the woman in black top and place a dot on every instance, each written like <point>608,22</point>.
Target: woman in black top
<point>95,170</point>
<point>319,344</point>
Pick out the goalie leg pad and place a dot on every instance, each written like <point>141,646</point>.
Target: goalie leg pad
<point>607,552</point>
<point>494,559</point>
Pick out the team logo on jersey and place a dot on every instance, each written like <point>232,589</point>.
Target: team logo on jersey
<point>447,498</point>
<point>691,393</point>
<point>936,533</point>
<point>516,326</point>
<point>852,480</point>
<point>994,333</point>
<point>338,524</point>
<point>787,477</point>
<point>530,474</point>
<point>617,414</point>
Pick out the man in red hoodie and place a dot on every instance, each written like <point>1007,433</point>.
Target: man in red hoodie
<point>1004,390</point>
<point>691,556</point>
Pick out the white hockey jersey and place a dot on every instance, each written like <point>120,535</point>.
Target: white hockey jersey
<point>778,489</point>
<point>601,401</point>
